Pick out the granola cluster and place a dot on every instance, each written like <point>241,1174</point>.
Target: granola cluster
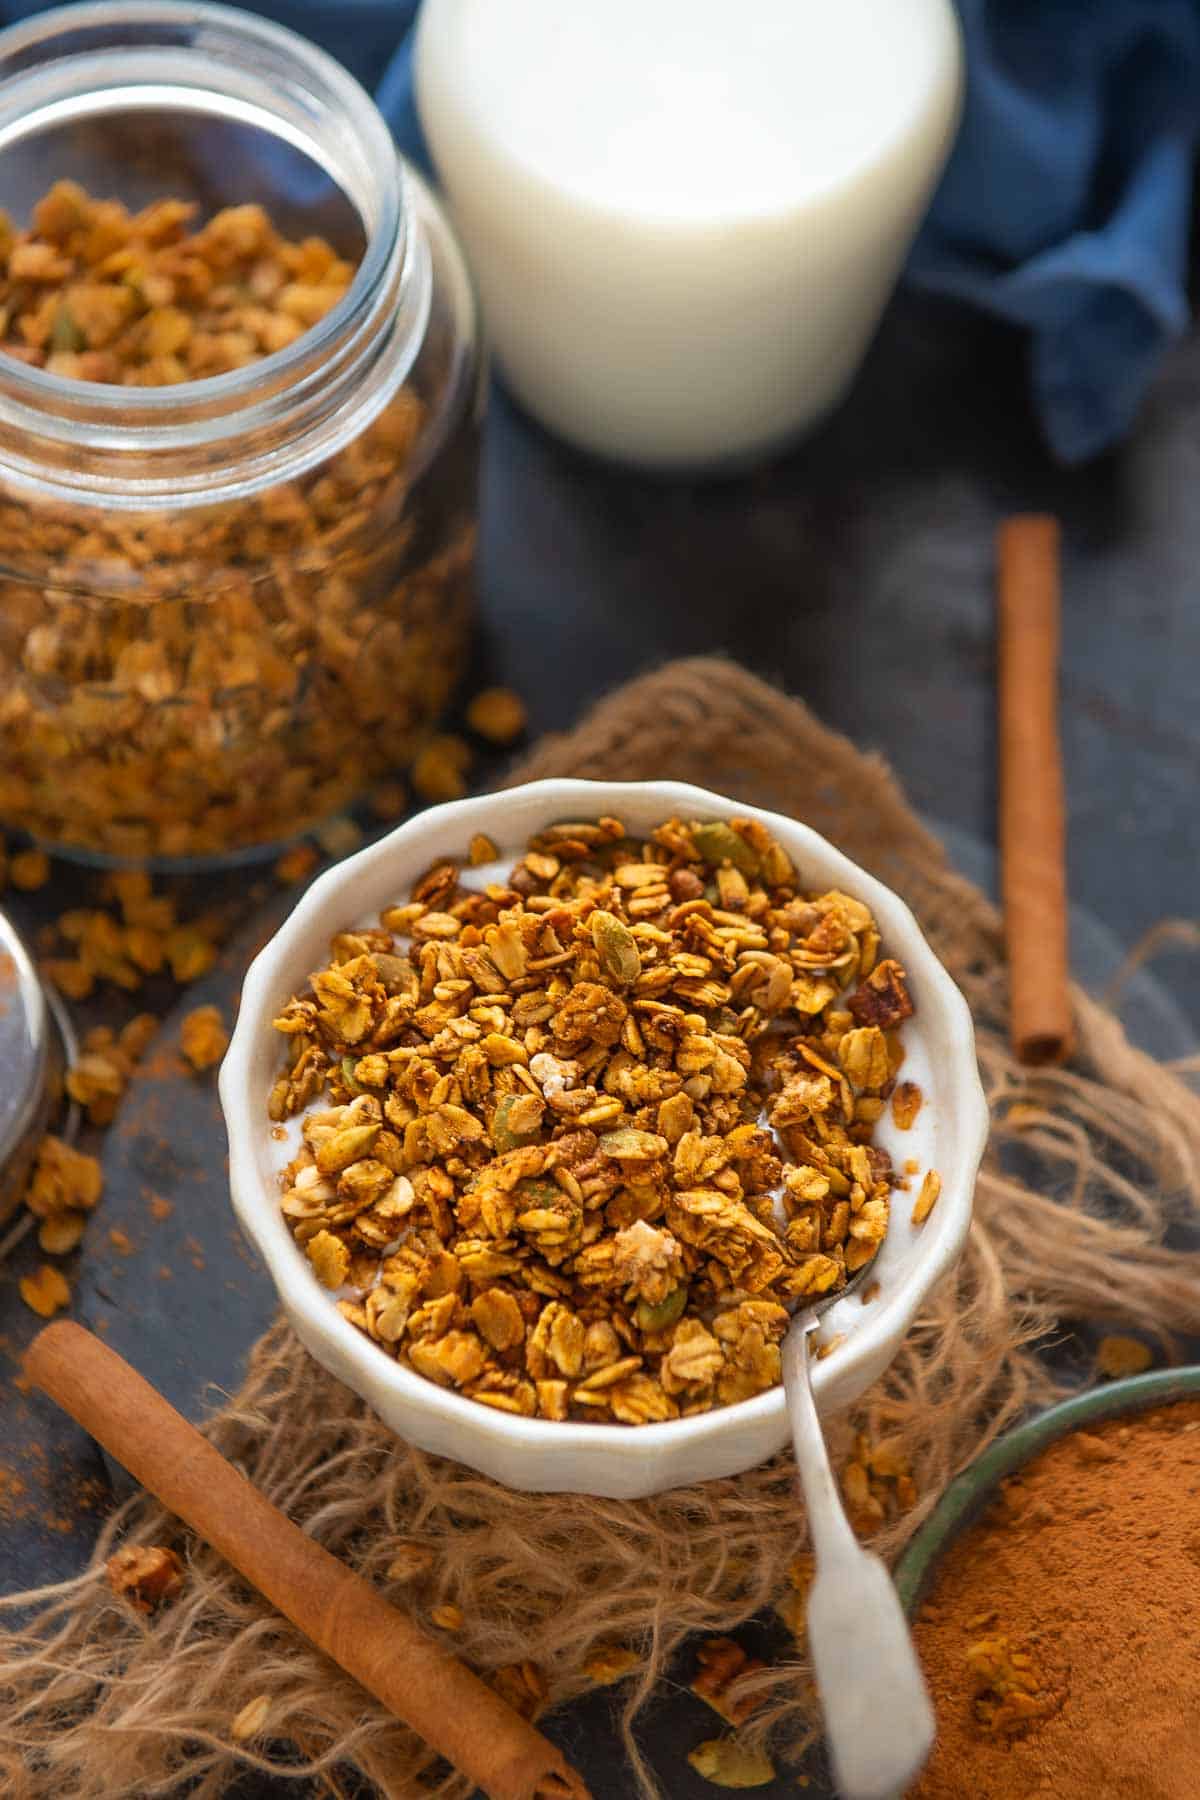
<point>145,1576</point>
<point>186,684</point>
<point>96,293</point>
<point>1012,1688</point>
<point>572,1141</point>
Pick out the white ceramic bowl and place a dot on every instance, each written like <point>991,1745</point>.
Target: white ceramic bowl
<point>612,1460</point>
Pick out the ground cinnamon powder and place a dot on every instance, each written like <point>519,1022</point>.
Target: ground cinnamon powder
<point>1061,1640</point>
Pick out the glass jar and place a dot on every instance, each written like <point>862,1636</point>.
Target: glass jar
<point>228,606</point>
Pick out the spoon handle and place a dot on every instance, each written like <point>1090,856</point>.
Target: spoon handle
<point>879,1723</point>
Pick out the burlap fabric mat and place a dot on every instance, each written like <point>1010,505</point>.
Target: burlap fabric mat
<point>1085,1170</point>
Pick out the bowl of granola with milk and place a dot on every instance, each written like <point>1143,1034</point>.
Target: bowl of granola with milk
<point>549,1108</point>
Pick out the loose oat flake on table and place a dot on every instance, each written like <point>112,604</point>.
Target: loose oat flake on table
<point>573,1140</point>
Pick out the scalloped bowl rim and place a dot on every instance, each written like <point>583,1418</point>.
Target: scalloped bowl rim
<point>328,1335</point>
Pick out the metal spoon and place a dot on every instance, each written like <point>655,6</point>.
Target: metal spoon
<point>879,1723</point>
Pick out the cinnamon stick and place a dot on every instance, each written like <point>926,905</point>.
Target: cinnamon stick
<point>456,1713</point>
<point>1032,821</point>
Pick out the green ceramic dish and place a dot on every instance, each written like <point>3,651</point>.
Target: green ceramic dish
<point>968,1495</point>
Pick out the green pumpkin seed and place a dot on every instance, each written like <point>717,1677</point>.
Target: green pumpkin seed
<point>717,843</point>
<point>658,1318</point>
<point>65,333</point>
<point>619,956</point>
<point>504,1137</point>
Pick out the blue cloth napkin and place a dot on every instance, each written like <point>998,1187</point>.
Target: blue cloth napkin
<point>1066,204</point>
<point>1065,207</point>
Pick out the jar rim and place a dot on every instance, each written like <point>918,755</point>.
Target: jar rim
<point>205,32</point>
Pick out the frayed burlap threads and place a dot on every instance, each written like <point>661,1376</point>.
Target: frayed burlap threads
<point>98,1705</point>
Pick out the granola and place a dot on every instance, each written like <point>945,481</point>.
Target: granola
<point>1012,1689</point>
<point>524,1686</point>
<point>497,714</point>
<point>1118,1356</point>
<point>145,1575</point>
<point>45,1292</point>
<point>410,1563</point>
<point>728,1763</point>
<point>606,1664</point>
<point>142,938</point>
<point>573,1142</point>
<point>723,1663</point>
<point>203,1037</point>
<point>185,683</point>
<point>877,1484</point>
<point>250,1721</point>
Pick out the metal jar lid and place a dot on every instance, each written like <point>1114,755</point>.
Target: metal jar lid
<point>32,1061</point>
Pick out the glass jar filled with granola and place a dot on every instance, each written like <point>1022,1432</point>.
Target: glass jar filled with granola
<point>239,390</point>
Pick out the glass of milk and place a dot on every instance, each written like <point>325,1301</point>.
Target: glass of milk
<point>685,216</point>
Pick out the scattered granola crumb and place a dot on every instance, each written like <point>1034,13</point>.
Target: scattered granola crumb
<point>45,1292</point>
<point>339,837</point>
<point>160,1208</point>
<point>410,1562</point>
<point>60,1234</point>
<point>145,1575</point>
<point>607,1663</point>
<point>189,953</point>
<point>203,1037</point>
<point>123,951</point>
<point>877,1484</point>
<point>907,1100</point>
<point>97,1080</point>
<point>296,863</point>
<point>729,1764</point>
<point>792,1608</point>
<point>73,979</point>
<point>137,1036</point>
<point>448,1618</point>
<point>498,715</point>
<point>440,770</point>
<point>926,1200</point>
<point>1118,1356</point>
<point>64,1180</point>
<point>389,800</point>
<point>723,1664</point>
<point>29,869</point>
<point>121,1241</point>
<point>482,849</point>
<point>524,1686</point>
<point>1011,1688</point>
<point>249,1722</point>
